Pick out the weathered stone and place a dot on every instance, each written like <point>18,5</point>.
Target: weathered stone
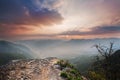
<point>34,69</point>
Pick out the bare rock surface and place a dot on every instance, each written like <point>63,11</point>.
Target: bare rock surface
<point>34,69</point>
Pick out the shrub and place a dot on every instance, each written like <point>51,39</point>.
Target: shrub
<point>64,75</point>
<point>69,71</point>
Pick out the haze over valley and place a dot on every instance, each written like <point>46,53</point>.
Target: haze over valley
<point>67,48</point>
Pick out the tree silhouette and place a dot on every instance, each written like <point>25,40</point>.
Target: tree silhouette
<point>105,51</point>
<point>109,65</point>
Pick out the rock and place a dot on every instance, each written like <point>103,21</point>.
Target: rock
<point>34,69</point>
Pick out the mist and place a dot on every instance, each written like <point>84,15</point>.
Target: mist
<point>67,48</point>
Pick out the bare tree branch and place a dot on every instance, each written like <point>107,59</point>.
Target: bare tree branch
<point>105,52</point>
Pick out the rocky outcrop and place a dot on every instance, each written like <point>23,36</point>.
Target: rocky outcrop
<point>34,69</point>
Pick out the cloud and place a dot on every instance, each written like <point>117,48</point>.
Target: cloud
<point>21,16</point>
<point>26,12</point>
<point>12,30</point>
<point>49,4</point>
<point>99,30</point>
<point>27,17</point>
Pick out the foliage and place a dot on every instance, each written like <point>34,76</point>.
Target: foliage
<point>96,75</point>
<point>69,72</point>
<point>64,75</point>
<point>83,63</point>
<point>107,68</point>
<point>64,63</point>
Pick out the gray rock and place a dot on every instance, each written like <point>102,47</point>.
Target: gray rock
<point>34,69</point>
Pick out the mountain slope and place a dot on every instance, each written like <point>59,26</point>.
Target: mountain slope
<point>83,62</point>
<point>10,51</point>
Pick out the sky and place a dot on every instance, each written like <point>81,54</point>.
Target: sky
<point>59,19</point>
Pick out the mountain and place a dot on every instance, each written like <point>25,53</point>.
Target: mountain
<point>39,69</point>
<point>10,51</point>
<point>83,62</point>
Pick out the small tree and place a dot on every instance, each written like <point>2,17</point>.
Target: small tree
<point>105,51</point>
<point>106,65</point>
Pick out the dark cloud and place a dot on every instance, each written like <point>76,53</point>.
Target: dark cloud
<point>22,15</point>
<point>95,31</point>
<point>106,29</point>
<point>25,12</point>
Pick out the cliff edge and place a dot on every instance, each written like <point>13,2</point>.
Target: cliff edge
<point>36,69</point>
<point>39,69</point>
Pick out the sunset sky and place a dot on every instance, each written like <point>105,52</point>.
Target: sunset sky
<point>59,19</point>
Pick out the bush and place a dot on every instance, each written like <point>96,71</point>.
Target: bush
<point>64,75</point>
<point>96,76</point>
<point>64,63</point>
<point>69,72</point>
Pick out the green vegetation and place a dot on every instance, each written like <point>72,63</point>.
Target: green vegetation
<point>69,72</point>
<point>64,63</point>
<point>83,63</point>
<point>96,75</point>
<point>107,68</point>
